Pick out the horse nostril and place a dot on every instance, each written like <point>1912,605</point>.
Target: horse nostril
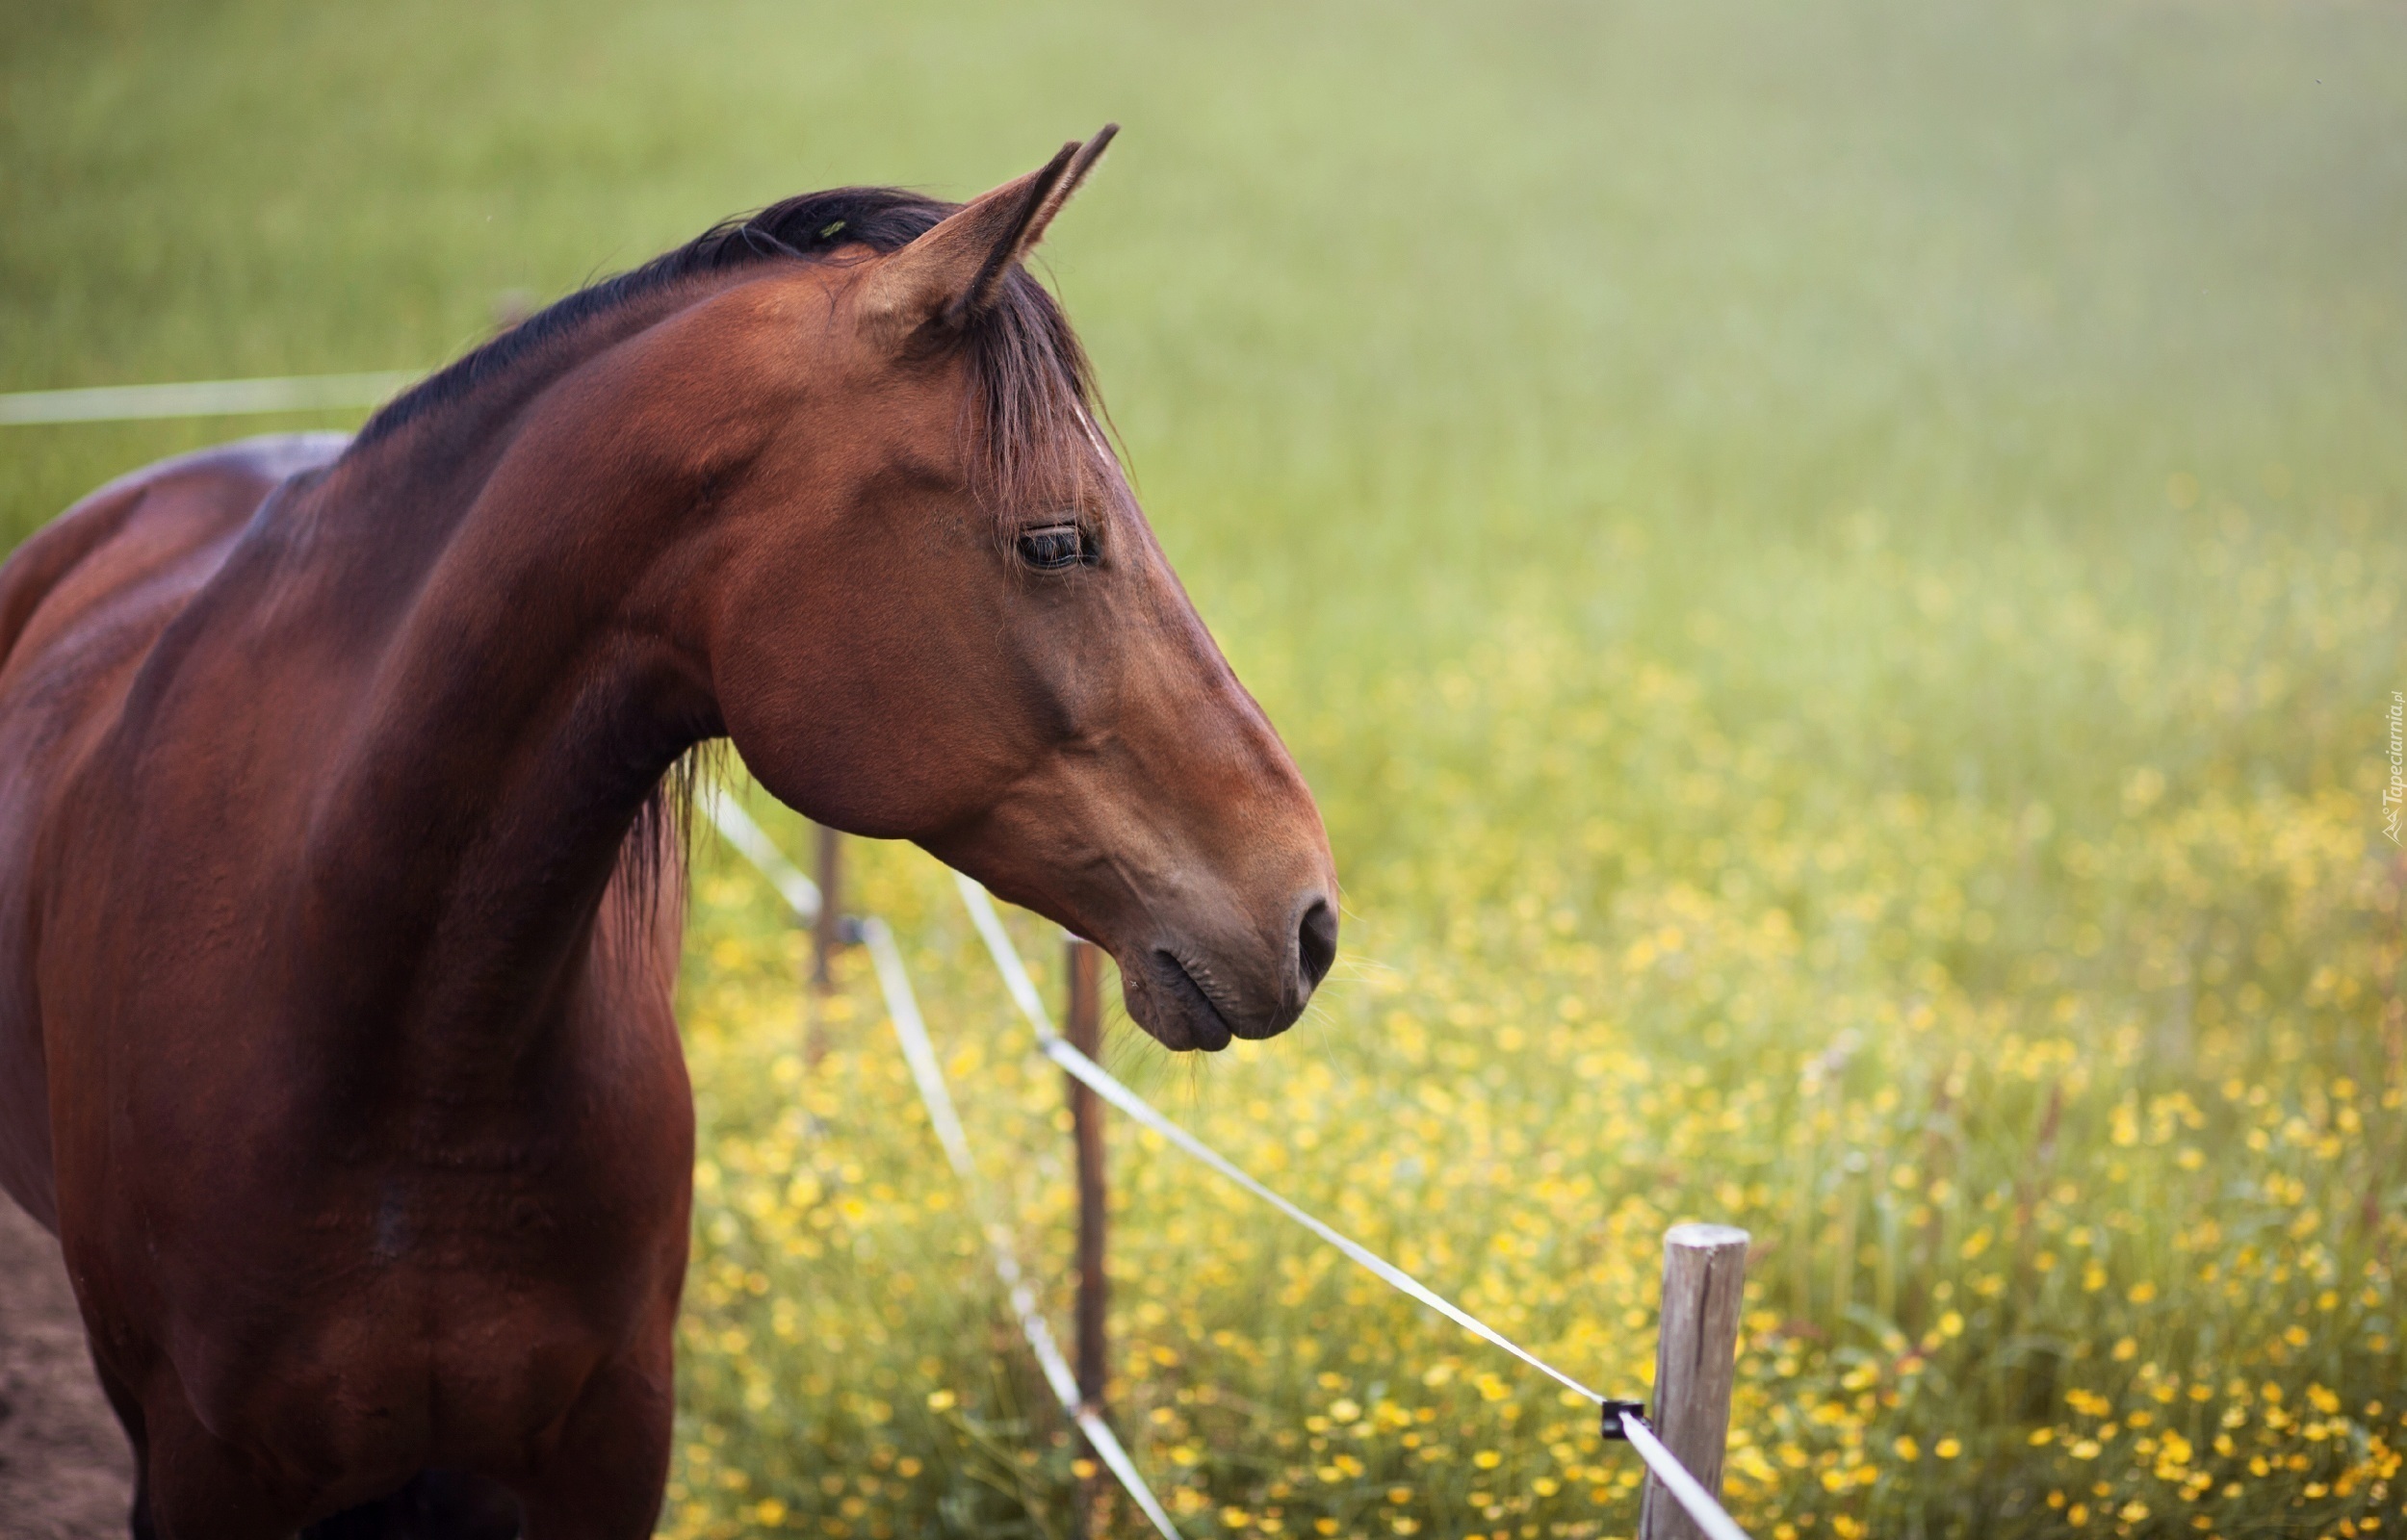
<point>1316,943</point>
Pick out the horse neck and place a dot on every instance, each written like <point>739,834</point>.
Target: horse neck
<point>525,692</point>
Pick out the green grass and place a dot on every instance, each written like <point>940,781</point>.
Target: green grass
<point>1837,573</point>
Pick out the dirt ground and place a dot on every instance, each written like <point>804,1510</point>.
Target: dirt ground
<point>64,1471</point>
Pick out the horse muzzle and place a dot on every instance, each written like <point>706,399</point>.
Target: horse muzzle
<point>1191,995</point>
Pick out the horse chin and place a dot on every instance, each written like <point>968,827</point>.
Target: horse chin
<point>1165,1000</point>
<point>1184,1037</point>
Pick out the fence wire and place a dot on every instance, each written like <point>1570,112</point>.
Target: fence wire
<point>902,1009</point>
<point>1709,1514</point>
<point>1684,1488</point>
<point>302,392</point>
<point>203,397</point>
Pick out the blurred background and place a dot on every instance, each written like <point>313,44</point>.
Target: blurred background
<point>1836,572</point>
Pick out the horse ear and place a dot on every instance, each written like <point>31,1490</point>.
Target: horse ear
<point>1072,179</point>
<point>956,270</point>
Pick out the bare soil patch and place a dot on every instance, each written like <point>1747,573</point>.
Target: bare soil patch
<point>65,1473</point>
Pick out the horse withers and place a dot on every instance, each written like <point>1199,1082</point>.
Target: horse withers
<point>339,890</point>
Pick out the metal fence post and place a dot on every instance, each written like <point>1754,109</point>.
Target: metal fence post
<point>1705,1275</point>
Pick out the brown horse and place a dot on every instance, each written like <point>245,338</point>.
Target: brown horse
<point>338,905</point>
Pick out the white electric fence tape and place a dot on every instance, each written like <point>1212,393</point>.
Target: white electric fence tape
<point>205,397</point>
<point>1708,1514</point>
<point>1675,1478</point>
<point>800,892</point>
<point>314,392</point>
<point>1701,1507</point>
<point>902,1009</point>
<point>1058,1049</point>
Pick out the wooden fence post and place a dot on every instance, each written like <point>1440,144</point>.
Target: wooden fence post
<point>827,931</point>
<point>1704,1274</point>
<point>1083,1025</point>
<point>826,936</point>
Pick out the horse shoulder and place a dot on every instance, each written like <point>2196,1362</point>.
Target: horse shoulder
<point>130,529</point>
<point>80,603</point>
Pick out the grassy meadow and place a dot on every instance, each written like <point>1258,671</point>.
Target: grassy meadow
<point>1838,574</point>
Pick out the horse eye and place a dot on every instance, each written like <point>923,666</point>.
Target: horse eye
<point>1055,547</point>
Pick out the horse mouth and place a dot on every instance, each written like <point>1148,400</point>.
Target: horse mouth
<point>1206,1027</point>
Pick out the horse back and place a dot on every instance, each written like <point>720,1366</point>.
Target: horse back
<point>81,604</point>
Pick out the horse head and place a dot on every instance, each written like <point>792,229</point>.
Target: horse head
<point>944,618</point>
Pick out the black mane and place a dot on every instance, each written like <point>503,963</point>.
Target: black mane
<point>1035,389</point>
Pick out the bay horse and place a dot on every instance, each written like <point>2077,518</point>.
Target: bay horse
<point>340,895</point>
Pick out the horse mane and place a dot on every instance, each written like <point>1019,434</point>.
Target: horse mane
<point>1033,393</point>
<point>1028,413</point>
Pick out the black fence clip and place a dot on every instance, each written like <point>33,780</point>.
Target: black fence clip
<point>1614,1412</point>
<point>848,931</point>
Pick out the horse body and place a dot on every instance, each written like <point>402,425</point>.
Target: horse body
<point>338,925</point>
<point>445,1219</point>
